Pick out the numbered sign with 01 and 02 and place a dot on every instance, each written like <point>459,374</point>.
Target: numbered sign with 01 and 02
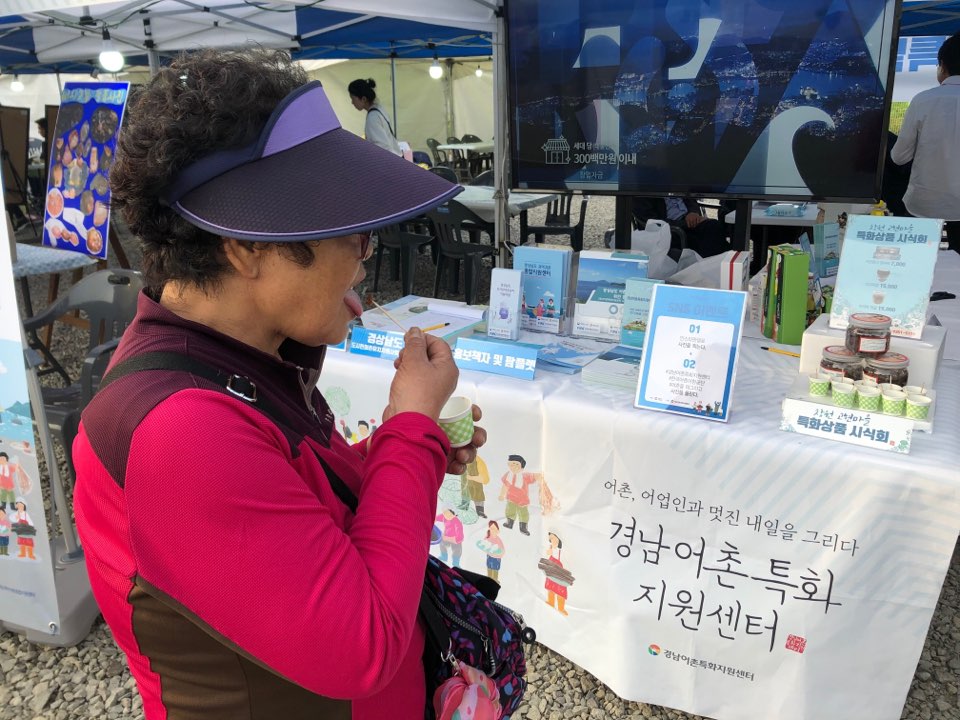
<point>690,351</point>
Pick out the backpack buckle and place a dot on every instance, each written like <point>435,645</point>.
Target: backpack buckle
<point>242,387</point>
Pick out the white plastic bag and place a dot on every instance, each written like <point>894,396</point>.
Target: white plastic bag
<point>654,241</point>
<point>698,272</point>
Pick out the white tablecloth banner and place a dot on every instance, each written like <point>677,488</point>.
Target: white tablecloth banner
<point>734,571</point>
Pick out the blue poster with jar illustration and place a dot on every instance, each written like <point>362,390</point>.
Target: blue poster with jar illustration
<point>82,151</point>
<point>886,268</point>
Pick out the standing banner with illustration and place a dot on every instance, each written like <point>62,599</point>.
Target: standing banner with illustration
<point>82,150</point>
<point>28,596</point>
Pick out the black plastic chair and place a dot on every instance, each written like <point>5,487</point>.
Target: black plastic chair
<point>446,173</point>
<point>108,299</point>
<point>439,156</point>
<point>459,161</point>
<point>557,222</point>
<point>479,161</point>
<point>404,248</point>
<point>485,179</point>
<point>449,223</point>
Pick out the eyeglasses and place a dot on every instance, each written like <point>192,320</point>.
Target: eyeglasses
<point>366,250</point>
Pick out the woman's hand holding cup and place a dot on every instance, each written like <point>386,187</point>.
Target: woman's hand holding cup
<point>426,376</point>
<point>462,455</point>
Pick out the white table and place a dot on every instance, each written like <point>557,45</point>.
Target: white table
<point>759,217</point>
<point>601,459</point>
<point>479,198</point>
<point>477,147</point>
<point>946,277</point>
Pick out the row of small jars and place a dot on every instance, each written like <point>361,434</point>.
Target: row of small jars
<point>887,367</point>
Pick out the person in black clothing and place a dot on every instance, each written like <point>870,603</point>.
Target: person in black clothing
<point>896,178</point>
<point>704,235</point>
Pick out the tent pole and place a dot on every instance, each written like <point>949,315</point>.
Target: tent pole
<point>393,91</point>
<point>501,142</point>
<point>448,97</point>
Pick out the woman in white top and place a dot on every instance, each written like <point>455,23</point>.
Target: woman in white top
<point>377,128</point>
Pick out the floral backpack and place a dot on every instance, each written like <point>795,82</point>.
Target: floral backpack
<point>465,625</point>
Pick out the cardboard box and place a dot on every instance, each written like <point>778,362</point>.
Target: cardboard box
<point>925,354</point>
<point>785,306</point>
<point>735,270</point>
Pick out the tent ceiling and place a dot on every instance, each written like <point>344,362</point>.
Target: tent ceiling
<point>67,36</point>
<point>930,17</point>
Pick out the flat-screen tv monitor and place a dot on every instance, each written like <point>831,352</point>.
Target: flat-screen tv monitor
<point>742,98</point>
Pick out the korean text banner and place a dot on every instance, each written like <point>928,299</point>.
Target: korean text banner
<point>82,151</point>
<point>719,570</point>
<point>28,596</point>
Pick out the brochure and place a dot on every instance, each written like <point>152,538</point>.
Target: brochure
<point>826,249</point>
<point>504,317</point>
<point>886,267</point>
<point>555,353</point>
<point>618,367</point>
<point>636,310</point>
<point>601,282</point>
<point>543,299</point>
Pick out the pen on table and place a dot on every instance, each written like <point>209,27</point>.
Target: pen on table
<point>389,316</point>
<point>435,327</point>
<point>779,351</point>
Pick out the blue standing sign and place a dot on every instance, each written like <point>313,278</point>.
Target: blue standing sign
<point>690,351</point>
<point>82,151</point>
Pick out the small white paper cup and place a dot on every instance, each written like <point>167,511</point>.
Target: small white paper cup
<point>914,390</point>
<point>456,420</point>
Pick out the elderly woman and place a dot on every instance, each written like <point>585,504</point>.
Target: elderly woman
<point>227,564</point>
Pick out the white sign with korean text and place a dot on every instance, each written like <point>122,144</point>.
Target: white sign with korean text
<point>850,425</point>
<point>690,351</point>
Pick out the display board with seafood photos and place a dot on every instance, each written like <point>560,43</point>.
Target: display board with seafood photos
<point>82,151</point>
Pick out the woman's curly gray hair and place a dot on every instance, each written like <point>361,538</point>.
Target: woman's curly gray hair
<point>202,102</point>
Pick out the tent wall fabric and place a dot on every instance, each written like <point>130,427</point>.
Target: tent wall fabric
<point>926,17</point>
<point>420,100</point>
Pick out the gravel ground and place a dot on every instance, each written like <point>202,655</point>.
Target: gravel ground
<point>92,681</point>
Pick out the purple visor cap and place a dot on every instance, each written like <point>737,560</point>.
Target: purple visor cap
<point>306,178</point>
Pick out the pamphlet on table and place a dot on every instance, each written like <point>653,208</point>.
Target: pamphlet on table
<point>617,367</point>
<point>503,320</point>
<point>446,319</point>
<point>601,281</point>
<point>636,310</point>
<point>547,273</point>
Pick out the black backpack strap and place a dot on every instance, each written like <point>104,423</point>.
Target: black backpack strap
<point>238,386</point>
<point>386,120</point>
